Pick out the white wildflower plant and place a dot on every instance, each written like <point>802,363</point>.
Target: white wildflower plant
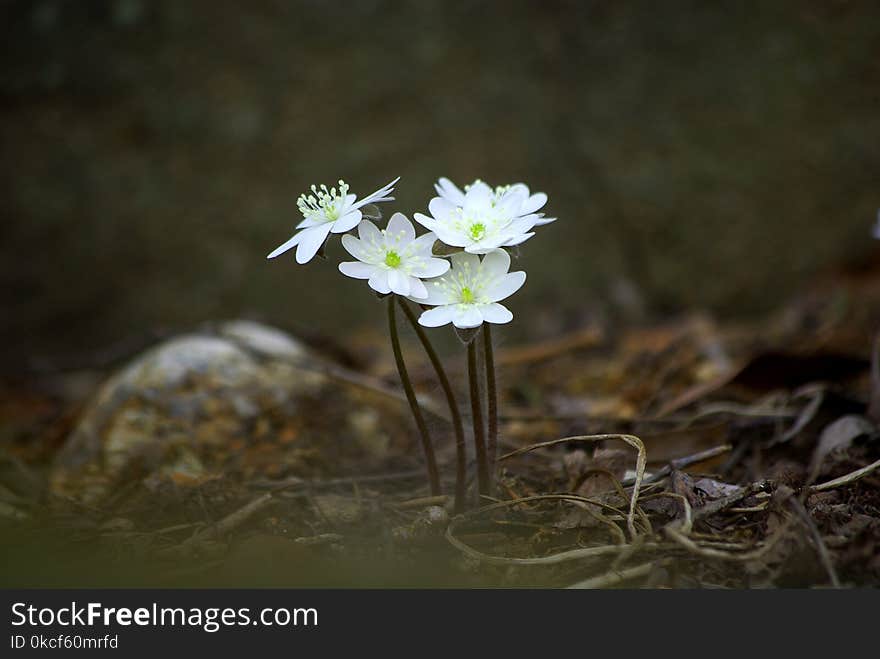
<point>393,260</point>
<point>462,284</point>
<point>469,294</point>
<point>328,211</point>
<point>481,218</point>
<point>531,203</point>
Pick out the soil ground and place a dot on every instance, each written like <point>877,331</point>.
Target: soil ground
<point>761,470</point>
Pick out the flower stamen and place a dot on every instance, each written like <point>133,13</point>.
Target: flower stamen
<point>322,201</point>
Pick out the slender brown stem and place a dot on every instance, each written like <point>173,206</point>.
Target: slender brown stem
<point>454,413</point>
<point>430,459</point>
<point>477,414</point>
<point>874,400</point>
<point>492,404</point>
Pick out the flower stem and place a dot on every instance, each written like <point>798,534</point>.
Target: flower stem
<point>492,404</point>
<point>454,413</point>
<point>477,414</point>
<point>430,459</point>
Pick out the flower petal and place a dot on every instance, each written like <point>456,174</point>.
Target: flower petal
<point>437,316</point>
<point>488,244</point>
<point>495,313</point>
<point>347,222</point>
<point>379,195</point>
<point>427,222</point>
<point>452,237</point>
<point>438,293</point>
<point>495,264</point>
<point>541,221</point>
<point>506,286</point>
<point>511,203</point>
<point>467,315</point>
<point>398,282</point>
<point>463,260</point>
<point>519,188</point>
<point>516,240</point>
<point>355,247</point>
<point>449,191</point>
<point>417,290</point>
<point>401,229</point>
<point>533,203</point>
<point>424,244</point>
<point>311,242</point>
<point>293,242</point>
<point>369,232</point>
<point>356,269</point>
<point>312,220</point>
<point>430,268</point>
<point>479,194</point>
<point>440,209</point>
<point>379,281</point>
<point>522,224</point>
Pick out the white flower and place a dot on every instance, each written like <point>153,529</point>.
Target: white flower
<point>325,212</point>
<point>481,223</point>
<point>393,260</point>
<point>468,295</point>
<point>531,203</point>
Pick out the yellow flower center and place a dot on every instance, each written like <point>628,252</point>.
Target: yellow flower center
<point>467,295</point>
<point>392,259</point>
<point>478,230</point>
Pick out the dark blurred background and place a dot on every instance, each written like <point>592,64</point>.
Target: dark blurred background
<point>709,155</point>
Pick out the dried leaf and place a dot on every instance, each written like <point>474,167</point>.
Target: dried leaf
<point>839,436</point>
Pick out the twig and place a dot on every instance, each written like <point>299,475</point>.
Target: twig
<point>807,414</point>
<point>851,477</point>
<point>235,518</point>
<point>173,529</point>
<point>734,409</point>
<point>573,554</point>
<point>719,505</point>
<point>632,440</point>
<point>552,559</point>
<point>293,482</point>
<point>761,507</point>
<point>682,539</point>
<point>221,528</point>
<point>422,502</point>
<point>682,463</point>
<point>320,539</point>
<point>614,577</point>
<point>821,548</point>
<point>585,338</point>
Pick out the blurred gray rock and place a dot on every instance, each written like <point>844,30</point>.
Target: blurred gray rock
<point>246,401</point>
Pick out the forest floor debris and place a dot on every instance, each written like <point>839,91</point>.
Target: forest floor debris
<point>681,454</point>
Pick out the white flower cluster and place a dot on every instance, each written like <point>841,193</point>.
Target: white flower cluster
<point>460,287</point>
